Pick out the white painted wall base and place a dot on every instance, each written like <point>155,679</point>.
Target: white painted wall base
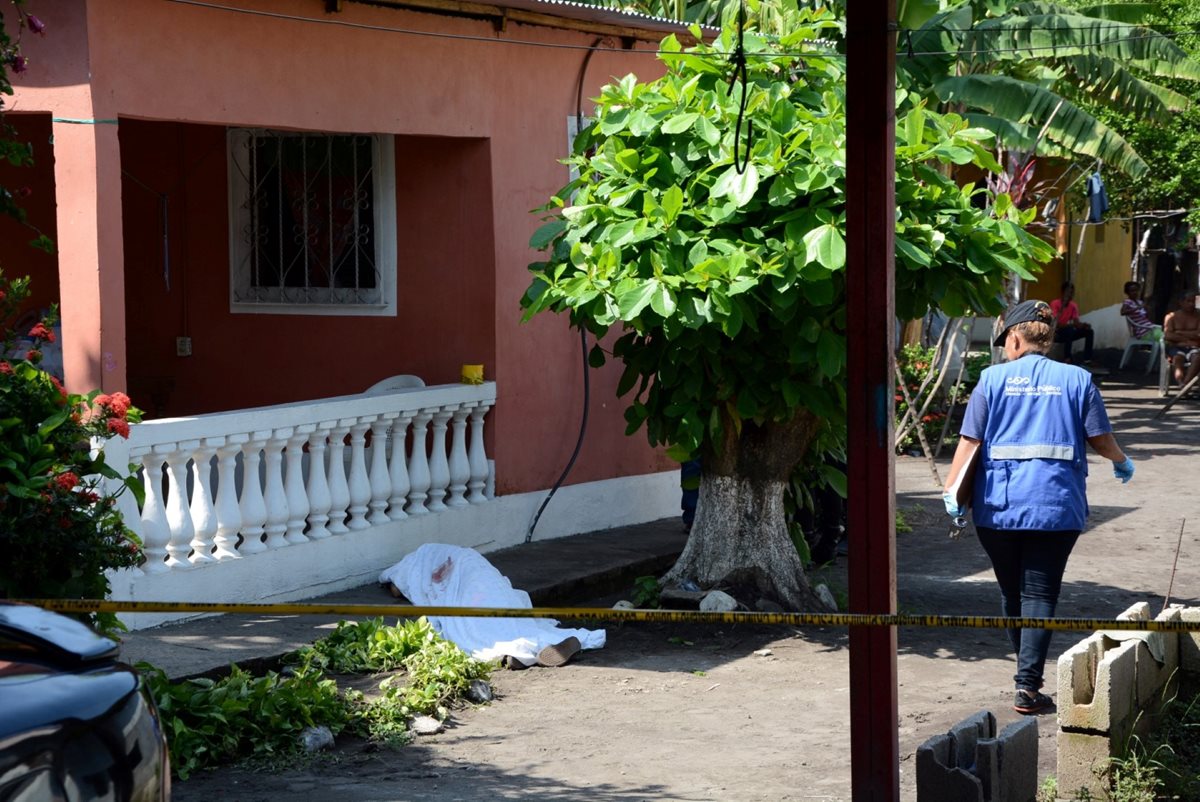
<point>1108,327</point>
<point>356,558</point>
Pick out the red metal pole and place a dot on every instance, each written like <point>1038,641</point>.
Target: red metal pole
<point>870,291</point>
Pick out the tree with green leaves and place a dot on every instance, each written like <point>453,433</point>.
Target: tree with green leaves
<point>1034,72</point>
<point>716,259</point>
<point>1170,147</point>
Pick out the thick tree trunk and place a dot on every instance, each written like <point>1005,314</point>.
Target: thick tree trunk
<point>740,535</point>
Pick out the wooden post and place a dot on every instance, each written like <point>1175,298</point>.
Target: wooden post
<point>870,290</point>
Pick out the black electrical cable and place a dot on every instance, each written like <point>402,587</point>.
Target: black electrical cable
<point>587,380</point>
<point>741,75</point>
<point>587,391</point>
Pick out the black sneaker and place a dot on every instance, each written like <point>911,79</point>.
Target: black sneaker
<point>1032,703</point>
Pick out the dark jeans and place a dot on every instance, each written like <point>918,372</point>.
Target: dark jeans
<point>1069,334</point>
<point>1029,566</point>
<point>689,480</point>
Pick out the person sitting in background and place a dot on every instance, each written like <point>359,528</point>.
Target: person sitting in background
<point>1181,333</point>
<point>1070,328</point>
<point>1135,314</point>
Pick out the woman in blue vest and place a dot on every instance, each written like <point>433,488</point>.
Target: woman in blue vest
<point>1021,463</point>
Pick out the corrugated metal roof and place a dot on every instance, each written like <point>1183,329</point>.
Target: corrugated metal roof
<point>609,16</point>
<point>567,10</point>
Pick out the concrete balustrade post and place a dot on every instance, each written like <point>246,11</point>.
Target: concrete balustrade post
<point>203,513</point>
<point>229,515</point>
<point>293,484</point>
<point>318,488</point>
<point>252,506</point>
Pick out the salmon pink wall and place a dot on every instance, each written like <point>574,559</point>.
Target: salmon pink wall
<point>486,124</point>
<point>444,284</point>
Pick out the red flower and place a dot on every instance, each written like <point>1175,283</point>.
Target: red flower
<point>19,64</point>
<point>24,192</point>
<point>40,332</point>
<point>89,497</point>
<point>5,367</point>
<point>35,25</point>
<point>119,426</point>
<point>66,480</point>
<point>119,404</point>
<point>3,295</point>
<point>62,391</point>
<point>33,355</point>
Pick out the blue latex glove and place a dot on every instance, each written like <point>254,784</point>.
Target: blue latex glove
<point>1123,470</point>
<point>955,511</point>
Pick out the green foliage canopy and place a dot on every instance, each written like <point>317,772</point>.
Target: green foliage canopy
<point>729,285</point>
<point>1036,73</point>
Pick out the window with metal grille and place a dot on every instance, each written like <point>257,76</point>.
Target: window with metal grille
<point>312,223</point>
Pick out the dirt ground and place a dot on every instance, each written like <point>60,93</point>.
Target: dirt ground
<point>668,712</point>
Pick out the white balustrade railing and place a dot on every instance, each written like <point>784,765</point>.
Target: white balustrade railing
<point>222,486</point>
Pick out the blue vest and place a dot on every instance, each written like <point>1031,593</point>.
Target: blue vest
<point>1033,469</point>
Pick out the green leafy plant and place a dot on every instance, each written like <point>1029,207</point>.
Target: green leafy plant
<point>58,521</point>
<point>726,281</point>
<point>1165,762</point>
<point>915,363</point>
<point>366,646</point>
<point>1048,790</point>
<point>241,716</point>
<point>436,673</point>
<point>645,592</point>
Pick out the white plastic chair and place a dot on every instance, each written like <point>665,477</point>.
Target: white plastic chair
<point>1164,373</point>
<point>404,381</point>
<point>1152,340</point>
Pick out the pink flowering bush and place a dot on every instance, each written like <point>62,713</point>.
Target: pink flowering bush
<point>60,531</point>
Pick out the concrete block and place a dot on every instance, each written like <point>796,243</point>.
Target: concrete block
<point>946,763</point>
<point>972,764</point>
<point>1082,763</point>
<point>1189,643</point>
<point>1158,665</point>
<point>938,780</point>
<point>966,735</point>
<point>1096,683</point>
<point>1017,780</point>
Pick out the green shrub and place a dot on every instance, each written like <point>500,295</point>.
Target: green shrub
<point>242,717</point>
<point>57,522</point>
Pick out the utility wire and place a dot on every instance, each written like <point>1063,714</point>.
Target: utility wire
<point>803,54</point>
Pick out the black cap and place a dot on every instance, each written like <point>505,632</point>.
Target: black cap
<point>1024,312</point>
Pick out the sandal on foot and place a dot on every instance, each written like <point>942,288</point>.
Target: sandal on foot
<point>559,653</point>
<point>1031,703</point>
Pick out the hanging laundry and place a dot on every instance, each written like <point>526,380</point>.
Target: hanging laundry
<point>1097,198</point>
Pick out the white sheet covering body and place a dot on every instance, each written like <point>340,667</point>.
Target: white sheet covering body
<point>437,574</point>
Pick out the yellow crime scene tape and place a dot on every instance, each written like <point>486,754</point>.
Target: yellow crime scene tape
<point>610,614</point>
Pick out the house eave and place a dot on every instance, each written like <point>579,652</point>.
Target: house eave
<point>567,16</point>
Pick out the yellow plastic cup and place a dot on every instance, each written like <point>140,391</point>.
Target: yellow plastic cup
<point>472,374</point>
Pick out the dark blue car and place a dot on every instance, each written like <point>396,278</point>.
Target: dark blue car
<point>75,724</point>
